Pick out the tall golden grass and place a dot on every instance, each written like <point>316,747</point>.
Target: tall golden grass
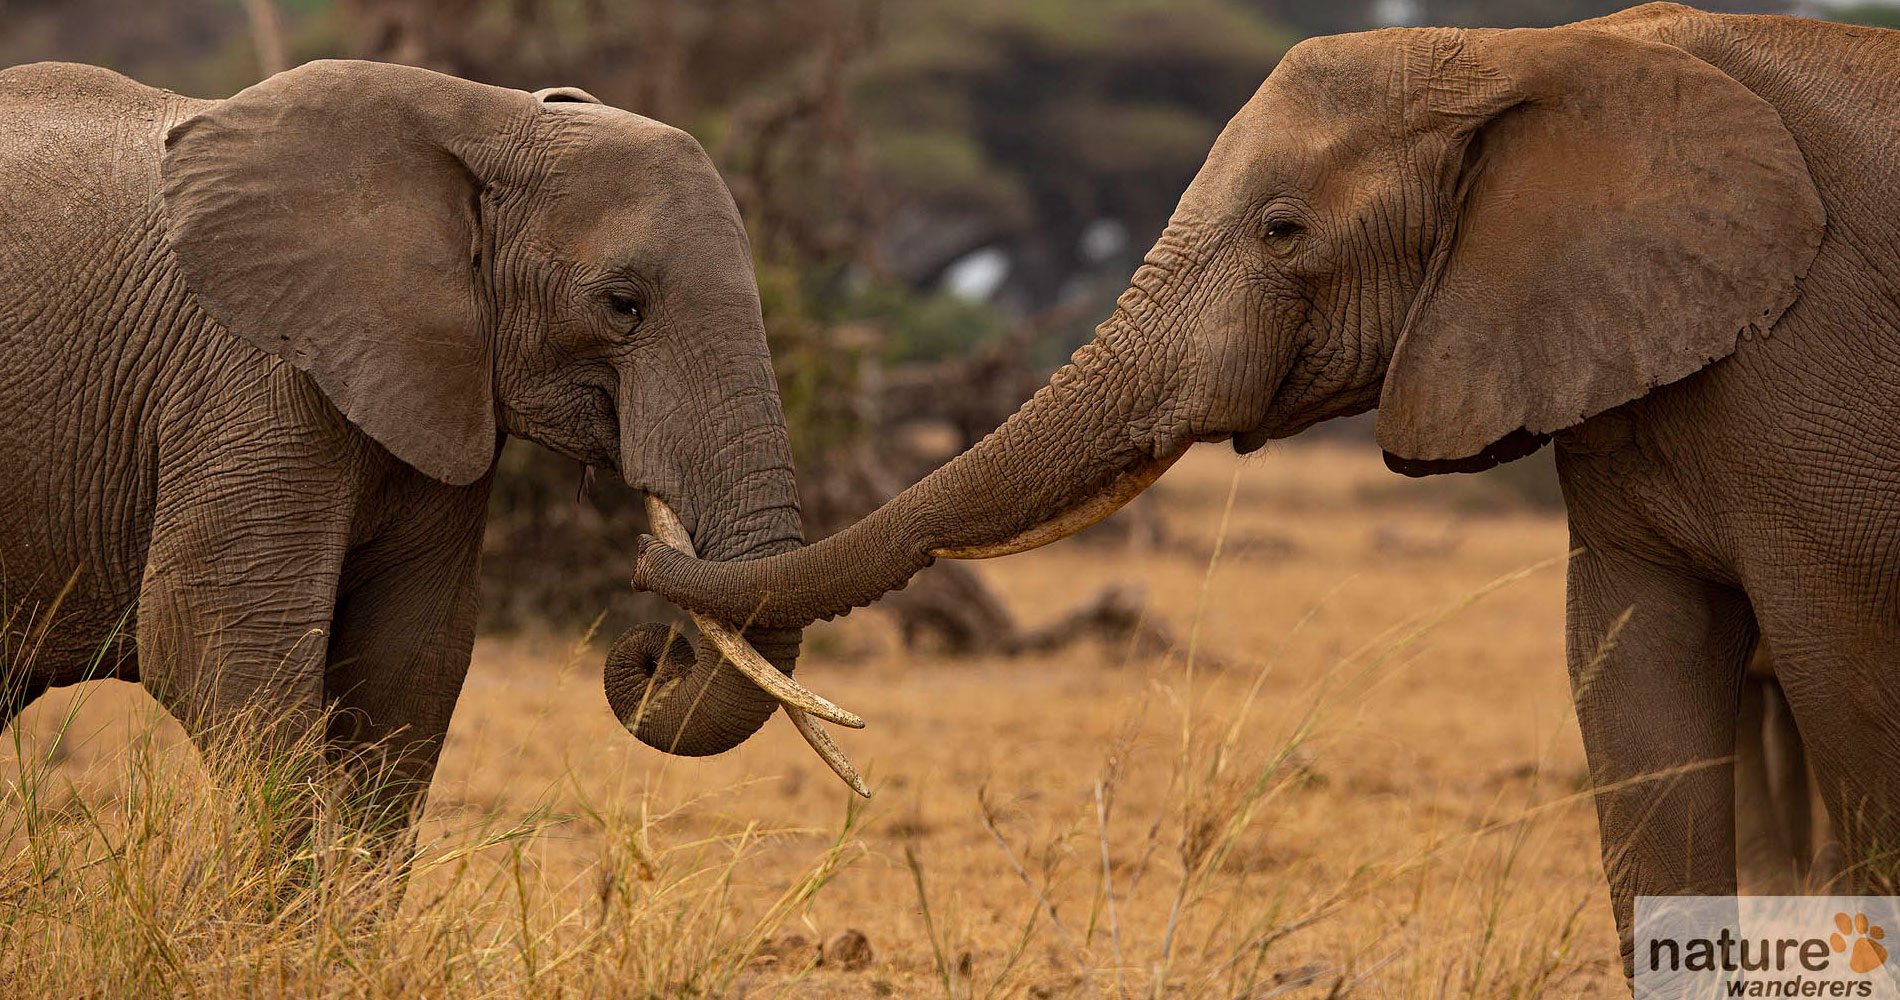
<point>174,873</point>
<point>1270,811</point>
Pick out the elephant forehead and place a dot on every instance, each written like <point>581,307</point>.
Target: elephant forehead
<point>1337,118</point>
<point>1379,79</point>
<point>1340,75</point>
<point>1281,144</point>
<point>630,192</point>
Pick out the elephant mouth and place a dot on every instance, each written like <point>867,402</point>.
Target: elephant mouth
<point>801,705</point>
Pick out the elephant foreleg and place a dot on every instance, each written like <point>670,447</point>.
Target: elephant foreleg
<point>1657,703</point>
<point>233,631</point>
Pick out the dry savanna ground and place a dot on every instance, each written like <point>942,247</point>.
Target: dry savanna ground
<point>1356,775</point>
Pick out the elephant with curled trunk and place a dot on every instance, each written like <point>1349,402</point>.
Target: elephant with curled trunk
<point>258,356</point>
<point>1666,242</point>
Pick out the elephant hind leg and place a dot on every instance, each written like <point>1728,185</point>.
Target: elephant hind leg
<point>1837,685</point>
<point>1791,796</point>
<point>1767,859</point>
<point>1782,843</point>
<point>404,634</point>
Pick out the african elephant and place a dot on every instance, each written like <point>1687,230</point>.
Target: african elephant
<point>1666,241</point>
<point>260,355</point>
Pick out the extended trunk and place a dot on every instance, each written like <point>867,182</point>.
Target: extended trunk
<point>1099,432</point>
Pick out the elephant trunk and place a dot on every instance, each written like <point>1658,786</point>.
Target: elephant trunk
<point>690,701</point>
<point>1103,428</point>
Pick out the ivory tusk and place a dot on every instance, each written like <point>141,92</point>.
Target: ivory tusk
<point>1124,488</point>
<point>815,735</point>
<point>667,528</point>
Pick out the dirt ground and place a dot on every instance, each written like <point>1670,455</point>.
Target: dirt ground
<point>1366,777</point>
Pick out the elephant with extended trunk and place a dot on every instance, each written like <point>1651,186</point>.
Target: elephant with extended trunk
<point>258,356</point>
<point>1666,241</point>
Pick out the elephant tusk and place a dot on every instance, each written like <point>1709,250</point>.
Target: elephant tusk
<point>815,735</point>
<point>789,692</point>
<point>1124,488</point>
<point>794,696</point>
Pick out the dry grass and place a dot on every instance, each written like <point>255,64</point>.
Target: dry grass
<point>1364,783</point>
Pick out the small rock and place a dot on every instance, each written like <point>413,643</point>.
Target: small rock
<point>784,951</point>
<point>849,950</point>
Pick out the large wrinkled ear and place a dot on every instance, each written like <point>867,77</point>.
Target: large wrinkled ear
<point>1623,212</point>
<point>331,216</point>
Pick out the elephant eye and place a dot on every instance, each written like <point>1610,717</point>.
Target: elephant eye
<point>624,304</point>
<point>1283,228</point>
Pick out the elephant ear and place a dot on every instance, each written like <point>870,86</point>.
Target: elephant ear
<point>1623,212</point>
<point>330,215</point>
<point>565,95</point>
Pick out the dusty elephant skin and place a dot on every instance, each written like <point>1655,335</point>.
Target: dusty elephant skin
<point>258,356</point>
<point>1666,241</point>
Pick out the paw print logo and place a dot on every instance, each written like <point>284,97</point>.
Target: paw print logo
<point>1868,953</point>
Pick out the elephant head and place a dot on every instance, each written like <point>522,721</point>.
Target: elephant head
<point>451,263</point>
<point>1488,235</point>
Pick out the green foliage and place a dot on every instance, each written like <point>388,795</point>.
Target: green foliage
<point>1024,121</point>
<point>923,326</point>
<point>1878,15</point>
<point>818,368</point>
<point>951,167</point>
<point>825,326</point>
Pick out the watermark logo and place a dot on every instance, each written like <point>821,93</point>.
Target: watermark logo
<point>1868,953</point>
<point>1694,947</point>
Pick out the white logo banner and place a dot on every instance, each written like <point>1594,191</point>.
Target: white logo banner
<point>1707,947</point>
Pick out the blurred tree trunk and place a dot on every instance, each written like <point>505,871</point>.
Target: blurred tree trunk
<point>414,32</point>
<point>267,36</point>
<point>659,65</point>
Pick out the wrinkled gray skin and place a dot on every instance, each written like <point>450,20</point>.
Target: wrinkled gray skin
<point>1666,240</point>
<point>257,357</point>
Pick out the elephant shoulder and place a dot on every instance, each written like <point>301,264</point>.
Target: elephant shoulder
<point>77,88</point>
<point>79,177</point>
<point>83,145</point>
<point>87,108</point>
